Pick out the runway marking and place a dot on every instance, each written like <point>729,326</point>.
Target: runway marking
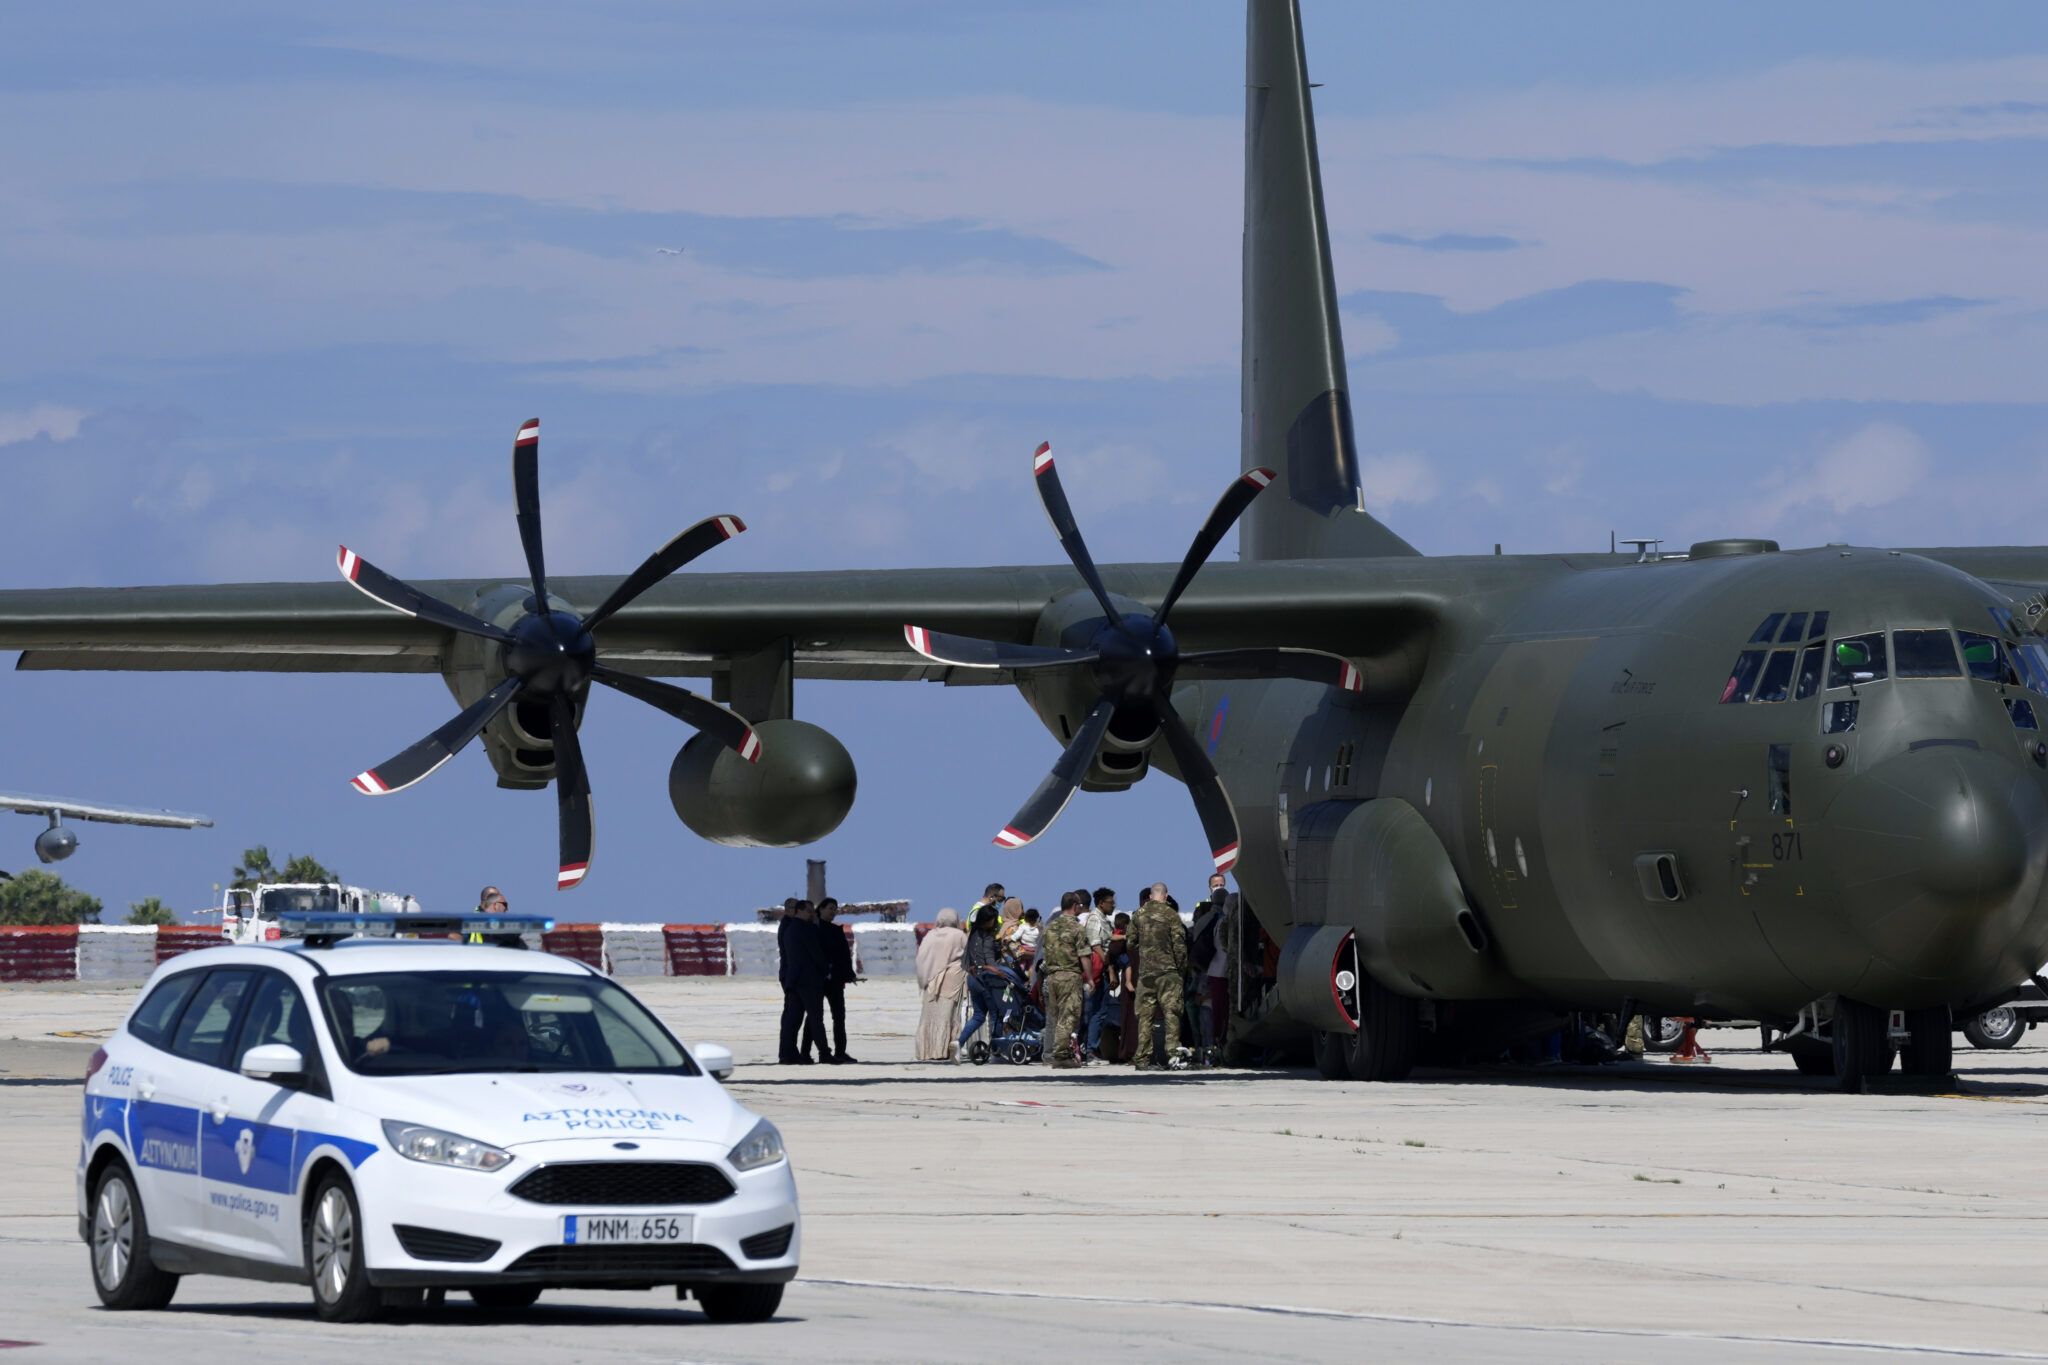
<point>1411,1320</point>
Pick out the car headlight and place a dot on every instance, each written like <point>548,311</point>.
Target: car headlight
<point>762,1147</point>
<point>417,1142</point>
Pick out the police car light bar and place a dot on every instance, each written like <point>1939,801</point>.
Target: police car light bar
<point>319,927</point>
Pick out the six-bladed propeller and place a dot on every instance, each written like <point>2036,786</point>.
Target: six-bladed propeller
<point>549,657</point>
<point>1135,662</point>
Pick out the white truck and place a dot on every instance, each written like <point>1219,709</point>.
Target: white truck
<point>249,914</point>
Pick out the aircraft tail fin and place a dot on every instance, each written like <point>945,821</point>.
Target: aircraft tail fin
<point>1296,410</point>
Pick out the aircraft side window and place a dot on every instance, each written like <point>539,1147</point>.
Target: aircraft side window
<point>1985,658</point>
<point>1858,659</point>
<point>1743,680</point>
<point>1819,629</point>
<point>2022,712</point>
<point>1777,678</point>
<point>1795,629</point>
<point>1925,654</point>
<point>1839,717</point>
<point>2032,665</point>
<point>1768,631</point>
<point>1810,665</point>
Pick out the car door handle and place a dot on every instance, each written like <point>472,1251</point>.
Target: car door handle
<point>145,1089</point>
<point>219,1110</point>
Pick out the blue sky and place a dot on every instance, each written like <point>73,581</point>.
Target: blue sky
<point>278,281</point>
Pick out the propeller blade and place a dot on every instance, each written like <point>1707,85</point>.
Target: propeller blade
<point>1059,786</point>
<point>1212,803</point>
<point>965,651</point>
<point>430,753</point>
<point>572,794</point>
<point>1310,665</point>
<point>526,499</point>
<point>381,587</point>
<point>1222,517</point>
<point>726,726</point>
<point>1061,515</point>
<point>665,561</point>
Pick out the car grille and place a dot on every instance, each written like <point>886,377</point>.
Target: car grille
<point>625,1182</point>
<point>432,1244</point>
<point>766,1246</point>
<point>674,1259</point>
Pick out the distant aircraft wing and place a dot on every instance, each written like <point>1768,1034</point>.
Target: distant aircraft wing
<point>104,814</point>
<point>840,624</point>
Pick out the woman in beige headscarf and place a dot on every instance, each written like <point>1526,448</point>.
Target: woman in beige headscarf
<point>1007,926</point>
<point>942,985</point>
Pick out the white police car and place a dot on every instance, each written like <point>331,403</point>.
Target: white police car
<point>378,1118</point>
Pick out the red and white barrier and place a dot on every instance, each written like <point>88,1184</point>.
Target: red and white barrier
<point>123,952</point>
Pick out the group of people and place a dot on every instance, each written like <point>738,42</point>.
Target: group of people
<point>1100,977</point>
<point>816,968</point>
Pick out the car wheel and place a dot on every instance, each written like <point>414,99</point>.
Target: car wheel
<point>334,1255</point>
<point>739,1302</point>
<point>122,1272</point>
<point>1995,1028</point>
<point>505,1298</point>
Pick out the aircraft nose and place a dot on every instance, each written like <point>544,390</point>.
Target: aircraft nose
<point>1943,849</point>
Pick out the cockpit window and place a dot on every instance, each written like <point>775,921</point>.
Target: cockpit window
<point>1795,629</point>
<point>1810,664</point>
<point>1777,677</point>
<point>1858,659</point>
<point>1768,631</point>
<point>1925,654</point>
<point>1819,629</point>
<point>2028,660</point>
<point>1985,658</point>
<point>1743,680</point>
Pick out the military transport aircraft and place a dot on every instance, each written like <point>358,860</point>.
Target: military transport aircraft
<point>1462,795</point>
<point>57,843</point>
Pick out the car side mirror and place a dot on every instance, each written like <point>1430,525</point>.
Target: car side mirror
<point>273,1060</point>
<point>715,1058</point>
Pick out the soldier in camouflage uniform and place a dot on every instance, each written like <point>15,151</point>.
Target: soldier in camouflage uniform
<point>1162,946</point>
<point>1061,955</point>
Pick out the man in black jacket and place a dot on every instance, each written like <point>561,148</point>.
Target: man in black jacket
<point>838,973</point>
<point>802,970</point>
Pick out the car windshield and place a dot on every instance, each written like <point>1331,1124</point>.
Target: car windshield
<point>434,1023</point>
<point>296,899</point>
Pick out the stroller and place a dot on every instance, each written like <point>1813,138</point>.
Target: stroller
<point>1021,1040</point>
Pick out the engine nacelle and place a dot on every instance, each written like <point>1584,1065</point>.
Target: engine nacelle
<point>798,793</point>
<point>1062,697</point>
<point>55,844</point>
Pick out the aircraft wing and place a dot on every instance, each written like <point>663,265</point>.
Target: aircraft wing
<point>104,814</point>
<point>841,624</point>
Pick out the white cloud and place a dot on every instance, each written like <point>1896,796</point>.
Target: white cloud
<point>1874,466</point>
<point>1390,480</point>
<point>44,419</point>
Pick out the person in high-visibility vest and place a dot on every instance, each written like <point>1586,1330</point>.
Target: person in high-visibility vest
<point>489,901</point>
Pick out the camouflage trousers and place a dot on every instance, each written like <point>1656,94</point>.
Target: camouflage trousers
<point>1062,1016</point>
<point>1159,994</point>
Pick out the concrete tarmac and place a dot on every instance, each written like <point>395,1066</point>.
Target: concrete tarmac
<point>1731,1212</point>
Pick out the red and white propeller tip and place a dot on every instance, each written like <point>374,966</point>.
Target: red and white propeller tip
<point>750,747</point>
<point>348,561</point>
<point>570,875</point>
<point>528,433</point>
<point>919,639</point>
<point>1258,478</point>
<point>1011,837</point>
<point>1226,857</point>
<point>1041,458</point>
<point>1353,680</point>
<point>368,783</point>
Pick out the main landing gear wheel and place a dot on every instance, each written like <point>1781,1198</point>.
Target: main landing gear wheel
<point>505,1298</point>
<point>121,1269</point>
<point>1330,1060</point>
<point>1383,1049</point>
<point>1661,1034</point>
<point>1995,1028</point>
<point>739,1302</point>
<point>1863,1048</point>
<point>342,1291</point>
<point>1812,1056</point>
<point>1932,1048</point>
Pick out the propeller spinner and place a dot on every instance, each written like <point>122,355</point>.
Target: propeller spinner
<point>549,657</point>
<point>1134,661</point>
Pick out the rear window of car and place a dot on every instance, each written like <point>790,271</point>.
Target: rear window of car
<point>152,1021</point>
<point>204,1028</point>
